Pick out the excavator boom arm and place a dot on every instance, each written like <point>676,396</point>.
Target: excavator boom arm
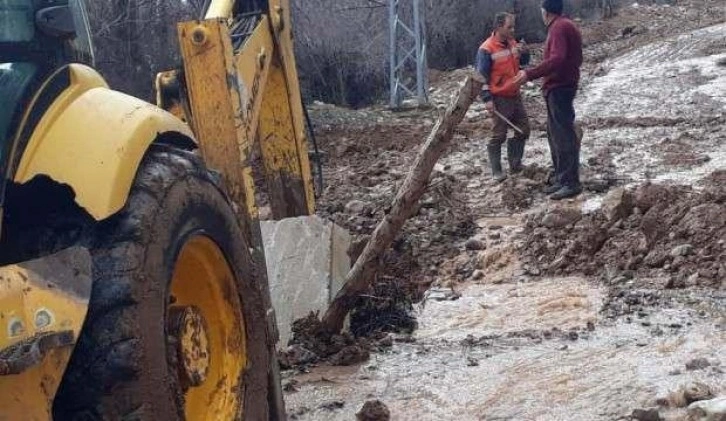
<point>241,87</point>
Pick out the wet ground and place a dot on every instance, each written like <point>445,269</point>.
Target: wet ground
<point>501,338</point>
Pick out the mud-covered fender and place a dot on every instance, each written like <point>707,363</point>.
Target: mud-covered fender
<point>93,139</point>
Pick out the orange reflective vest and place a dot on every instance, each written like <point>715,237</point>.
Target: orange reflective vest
<point>505,66</point>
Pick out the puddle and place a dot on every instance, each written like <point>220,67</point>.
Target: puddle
<point>603,374</point>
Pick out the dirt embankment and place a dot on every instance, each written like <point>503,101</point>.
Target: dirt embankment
<point>674,234</point>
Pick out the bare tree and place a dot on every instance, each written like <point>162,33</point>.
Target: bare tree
<point>341,45</point>
<point>135,39</point>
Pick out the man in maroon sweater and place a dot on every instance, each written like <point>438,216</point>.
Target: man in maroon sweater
<point>561,72</point>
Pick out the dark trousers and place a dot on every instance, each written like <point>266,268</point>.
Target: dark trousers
<point>564,145</point>
<point>513,109</point>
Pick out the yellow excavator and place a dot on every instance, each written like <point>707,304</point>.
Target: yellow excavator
<point>133,284</point>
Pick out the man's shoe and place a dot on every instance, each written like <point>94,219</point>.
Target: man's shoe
<point>566,192</point>
<point>553,188</point>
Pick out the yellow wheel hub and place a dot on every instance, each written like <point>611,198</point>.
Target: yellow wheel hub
<point>206,329</point>
<point>188,327</point>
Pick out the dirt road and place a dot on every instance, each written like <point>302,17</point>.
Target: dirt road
<point>504,337</point>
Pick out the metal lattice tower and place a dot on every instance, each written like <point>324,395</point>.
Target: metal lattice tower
<point>407,52</point>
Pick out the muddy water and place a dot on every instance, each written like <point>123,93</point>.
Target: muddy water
<point>510,368</point>
<point>539,348</point>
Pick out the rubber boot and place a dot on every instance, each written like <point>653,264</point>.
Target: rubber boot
<point>495,160</point>
<point>515,152</point>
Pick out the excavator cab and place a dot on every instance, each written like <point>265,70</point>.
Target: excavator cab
<point>36,38</point>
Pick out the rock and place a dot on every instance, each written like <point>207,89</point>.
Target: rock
<point>710,410</point>
<point>472,362</point>
<point>646,196</point>
<point>561,217</point>
<point>477,275</point>
<point>441,294</point>
<point>373,410</point>
<point>290,386</point>
<point>532,271</point>
<point>296,355</point>
<point>650,414</point>
<point>350,355</point>
<point>632,30</point>
<point>355,207</point>
<point>474,244</point>
<point>697,392</point>
<point>342,149</point>
<point>617,204</point>
<point>686,395</point>
<point>692,280</point>
<point>655,259</point>
<point>332,405</point>
<point>682,250</point>
<point>697,364</point>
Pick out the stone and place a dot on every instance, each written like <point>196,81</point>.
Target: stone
<point>692,280</point>
<point>290,386</point>
<point>697,364</point>
<point>307,261</point>
<point>474,244</point>
<point>296,355</point>
<point>617,204</point>
<point>373,410</point>
<point>561,217</point>
<point>441,294</point>
<point>332,405</point>
<point>708,410</point>
<point>352,354</point>
<point>355,207</point>
<point>650,414</point>
<point>697,391</point>
<point>682,250</point>
<point>532,271</point>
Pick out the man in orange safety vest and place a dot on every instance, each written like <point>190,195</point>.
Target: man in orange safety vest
<point>498,62</point>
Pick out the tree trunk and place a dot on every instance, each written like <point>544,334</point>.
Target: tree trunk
<point>360,276</point>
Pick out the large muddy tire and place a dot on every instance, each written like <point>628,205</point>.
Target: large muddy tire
<point>169,261</point>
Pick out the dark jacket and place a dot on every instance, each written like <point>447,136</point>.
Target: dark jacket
<point>562,56</point>
<point>485,64</point>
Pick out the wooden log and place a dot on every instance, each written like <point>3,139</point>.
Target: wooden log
<point>363,271</point>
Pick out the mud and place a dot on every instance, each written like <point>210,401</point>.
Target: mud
<point>605,307</point>
<point>670,233</point>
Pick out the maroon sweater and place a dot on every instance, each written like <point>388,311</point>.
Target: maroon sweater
<point>562,56</point>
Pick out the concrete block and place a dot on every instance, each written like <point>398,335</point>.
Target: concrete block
<point>307,262</point>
